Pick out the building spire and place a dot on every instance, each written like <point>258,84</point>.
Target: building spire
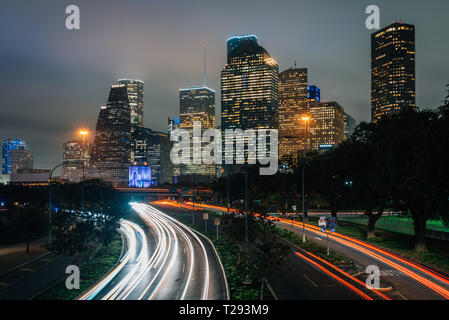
<point>204,67</point>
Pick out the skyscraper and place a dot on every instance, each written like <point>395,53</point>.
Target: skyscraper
<point>134,89</point>
<point>392,70</point>
<point>16,156</point>
<point>75,159</point>
<point>112,145</point>
<point>197,104</point>
<point>327,125</point>
<point>293,105</point>
<point>159,148</point>
<point>249,87</point>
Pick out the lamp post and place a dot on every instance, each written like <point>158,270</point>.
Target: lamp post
<point>83,133</point>
<point>50,204</point>
<point>306,120</point>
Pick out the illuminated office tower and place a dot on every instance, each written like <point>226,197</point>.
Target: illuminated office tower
<point>134,89</point>
<point>349,125</point>
<point>16,156</point>
<point>112,146</point>
<point>197,104</point>
<point>392,70</point>
<point>293,105</point>
<point>249,87</point>
<point>76,159</point>
<point>327,125</point>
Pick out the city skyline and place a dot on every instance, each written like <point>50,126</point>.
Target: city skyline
<point>64,78</point>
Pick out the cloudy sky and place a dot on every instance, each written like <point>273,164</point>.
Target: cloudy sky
<point>53,80</point>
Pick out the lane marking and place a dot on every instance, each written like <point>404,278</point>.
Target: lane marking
<point>27,269</point>
<point>350,286</point>
<point>314,284</point>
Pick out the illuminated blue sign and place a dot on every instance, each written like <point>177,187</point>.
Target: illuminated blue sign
<point>139,177</point>
<point>314,93</point>
<point>325,146</point>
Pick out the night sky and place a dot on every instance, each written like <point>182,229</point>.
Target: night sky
<point>54,81</point>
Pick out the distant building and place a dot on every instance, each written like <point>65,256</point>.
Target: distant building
<point>173,124</point>
<point>327,125</point>
<point>16,156</point>
<point>293,105</point>
<point>152,149</point>
<point>134,89</point>
<point>392,70</point>
<point>159,158</point>
<point>139,144</point>
<point>31,177</point>
<point>249,88</point>
<point>313,94</point>
<point>349,125</point>
<point>76,157</point>
<point>197,104</point>
<point>111,150</point>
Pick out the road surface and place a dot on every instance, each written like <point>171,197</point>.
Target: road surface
<point>169,261</point>
<point>410,280</point>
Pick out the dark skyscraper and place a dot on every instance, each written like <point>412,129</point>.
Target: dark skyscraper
<point>392,70</point>
<point>112,145</point>
<point>135,96</point>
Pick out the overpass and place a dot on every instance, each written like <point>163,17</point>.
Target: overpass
<point>153,194</point>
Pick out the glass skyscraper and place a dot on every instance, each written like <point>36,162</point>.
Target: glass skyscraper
<point>134,89</point>
<point>392,70</point>
<point>293,105</point>
<point>16,156</point>
<point>249,87</point>
<point>112,143</point>
<point>197,104</point>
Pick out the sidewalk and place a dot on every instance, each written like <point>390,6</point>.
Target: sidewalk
<point>15,254</point>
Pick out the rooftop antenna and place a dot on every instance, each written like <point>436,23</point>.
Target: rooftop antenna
<point>204,70</point>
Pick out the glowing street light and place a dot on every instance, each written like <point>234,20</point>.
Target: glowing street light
<point>306,119</point>
<point>83,133</point>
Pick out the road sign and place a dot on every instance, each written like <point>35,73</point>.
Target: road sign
<point>217,221</point>
<point>332,224</point>
<point>205,216</point>
<point>322,224</point>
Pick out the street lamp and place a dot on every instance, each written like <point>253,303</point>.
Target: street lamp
<point>306,120</point>
<point>83,133</point>
<point>50,204</point>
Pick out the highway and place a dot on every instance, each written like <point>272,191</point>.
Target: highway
<point>410,280</point>
<point>165,260</point>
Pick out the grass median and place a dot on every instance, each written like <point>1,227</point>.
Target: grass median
<point>91,271</point>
